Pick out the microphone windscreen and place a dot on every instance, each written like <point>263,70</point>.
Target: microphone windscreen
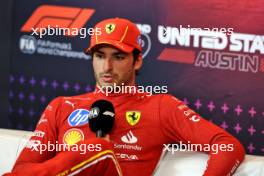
<point>102,116</point>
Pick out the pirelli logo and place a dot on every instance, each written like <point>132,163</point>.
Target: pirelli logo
<point>57,16</point>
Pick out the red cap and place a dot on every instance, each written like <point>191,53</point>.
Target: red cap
<point>119,32</point>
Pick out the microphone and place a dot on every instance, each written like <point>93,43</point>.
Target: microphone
<point>101,117</point>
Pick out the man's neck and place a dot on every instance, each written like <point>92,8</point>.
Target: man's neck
<point>116,90</point>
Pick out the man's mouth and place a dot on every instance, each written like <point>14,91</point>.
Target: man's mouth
<point>107,78</point>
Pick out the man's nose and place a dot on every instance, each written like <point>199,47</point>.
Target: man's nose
<point>108,64</point>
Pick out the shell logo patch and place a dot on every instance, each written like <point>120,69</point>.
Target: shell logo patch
<point>133,117</point>
<point>72,136</point>
<point>109,28</point>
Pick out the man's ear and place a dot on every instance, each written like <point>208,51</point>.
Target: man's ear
<point>138,62</point>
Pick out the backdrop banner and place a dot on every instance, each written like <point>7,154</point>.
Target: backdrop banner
<point>210,54</point>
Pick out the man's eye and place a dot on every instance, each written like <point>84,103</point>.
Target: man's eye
<point>119,57</point>
<point>99,56</point>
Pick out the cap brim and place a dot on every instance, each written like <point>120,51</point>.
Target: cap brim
<point>119,45</point>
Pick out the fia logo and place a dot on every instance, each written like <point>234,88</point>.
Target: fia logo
<point>28,44</point>
<point>94,112</point>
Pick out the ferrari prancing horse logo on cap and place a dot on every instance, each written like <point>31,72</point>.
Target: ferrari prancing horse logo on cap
<point>133,117</point>
<point>109,28</point>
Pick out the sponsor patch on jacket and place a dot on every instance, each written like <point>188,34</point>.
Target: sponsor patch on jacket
<point>72,136</point>
<point>133,117</point>
<point>38,133</point>
<point>78,117</point>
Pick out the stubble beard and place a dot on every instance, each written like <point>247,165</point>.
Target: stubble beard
<point>128,79</point>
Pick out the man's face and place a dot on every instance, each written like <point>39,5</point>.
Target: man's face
<point>113,66</point>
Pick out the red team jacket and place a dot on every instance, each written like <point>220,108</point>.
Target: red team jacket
<point>143,126</point>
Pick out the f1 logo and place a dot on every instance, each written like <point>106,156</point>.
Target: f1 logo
<point>57,16</point>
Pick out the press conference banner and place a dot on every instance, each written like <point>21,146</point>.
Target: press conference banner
<point>208,54</point>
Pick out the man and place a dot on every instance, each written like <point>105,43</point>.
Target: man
<point>143,126</point>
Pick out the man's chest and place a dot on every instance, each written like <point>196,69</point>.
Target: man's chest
<point>136,130</point>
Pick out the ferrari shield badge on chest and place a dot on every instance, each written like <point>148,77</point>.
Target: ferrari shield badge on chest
<point>133,117</point>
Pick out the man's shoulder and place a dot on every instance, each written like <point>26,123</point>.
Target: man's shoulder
<point>154,99</point>
<point>164,100</point>
<point>164,96</point>
<point>79,97</point>
<point>73,99</point>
